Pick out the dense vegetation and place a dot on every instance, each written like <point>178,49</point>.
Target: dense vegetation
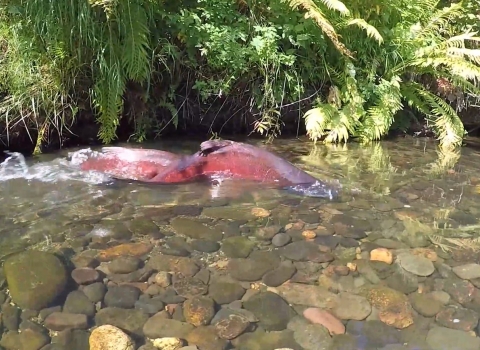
<point>353,71</point>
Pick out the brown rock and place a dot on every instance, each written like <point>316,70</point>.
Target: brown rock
<point>394,307</point>
<point>381,254</point>
<point>85,275</point>
<point>260,212</point>
<point>342,270</point>
<point>426,253</point>
<point>140,285</point>
<point>309,295</point>
<point>309,234</point>
<point>174,264</point>
<point>126,249</point>
<point>457,318</point>
<point>59,321</point>
<point>85,260</point>
<point>206,338</point>
<point>199,311</point>
<point>232,326</point>
<point>190,287</point>
<point>326,319</point>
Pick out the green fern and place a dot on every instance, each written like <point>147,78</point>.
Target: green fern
<point>421,42</point>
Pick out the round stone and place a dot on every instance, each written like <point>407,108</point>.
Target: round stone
<point>109,337</point>
<point>34,278</point>
<point>415,264</point>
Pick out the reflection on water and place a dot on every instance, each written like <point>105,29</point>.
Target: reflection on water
<point>396,253</point>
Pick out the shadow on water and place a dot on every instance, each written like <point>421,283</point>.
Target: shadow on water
<point>392,263</point>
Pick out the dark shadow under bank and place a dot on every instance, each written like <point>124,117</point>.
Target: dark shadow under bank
<point>84,133</point>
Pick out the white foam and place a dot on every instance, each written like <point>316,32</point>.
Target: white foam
<point>60,169</point>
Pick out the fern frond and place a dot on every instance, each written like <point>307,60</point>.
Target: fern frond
<point>136,57</point>
<point>380,116</point>
<point>107,95</point>
<point>372,32</point>
<point>409,94</point>
<point>317,120</point>
<point>340,127</point>
<point>331,4</point>
<point>446,122</point>
<point>440,19</point>
<point>465,85</point>
<point>463,53</point>
<point>313,11</point>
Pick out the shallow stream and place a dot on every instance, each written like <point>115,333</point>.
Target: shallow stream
<point>393,263</point>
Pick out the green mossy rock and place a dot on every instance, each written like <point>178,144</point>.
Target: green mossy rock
<point>35,278</point>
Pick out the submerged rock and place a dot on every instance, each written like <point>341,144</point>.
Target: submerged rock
<point>272,310</point>
<point>109,337</point>
<point>35,278</point>
<point>394,307</point>
<point>441,338</point>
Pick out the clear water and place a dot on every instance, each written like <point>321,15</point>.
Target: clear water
<point>403,188</point>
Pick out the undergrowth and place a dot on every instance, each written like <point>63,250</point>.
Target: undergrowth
<point>353,68</point>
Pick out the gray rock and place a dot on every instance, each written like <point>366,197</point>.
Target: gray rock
<point>313,337</point>
<point>440,295</point>
<point>78,303</point>
<point>272,310</point>
<point>366,270</point>
<point>441,338</point>
<point>253,268</point>
<point>10,317</point>
<point>158,326</point>
<point>425,305</point>
<point>259,340</point>
<point>124,264</point>
<point>122,296</point>
<point>10,340</point>
<point>281,239</point>
<point>352,307</point>
<point>95,292</point>
<point>308,295</point>
<point>418,265</point>
<point>72,339</point>
<point>33,340</point>
<point>205,246</point>
<point>237,247</point>
<point>280,275</point>
<point>305,251</point>
<point>468,271</point>
<point>196,229</point>
<point>224,292</point>
<point>267,233</point>
<point>59,321</point>
<point>85,275</point>
<point>403,281</point>
<point>150,306</point>
<point>140,275</point>
<point>375,333</point>
<point>42,315</point>
<point>128,320</point>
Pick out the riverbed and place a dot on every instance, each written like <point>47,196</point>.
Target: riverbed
<point>392,263</point>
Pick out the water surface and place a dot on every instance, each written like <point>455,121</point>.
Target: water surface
<point>404,196</point>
